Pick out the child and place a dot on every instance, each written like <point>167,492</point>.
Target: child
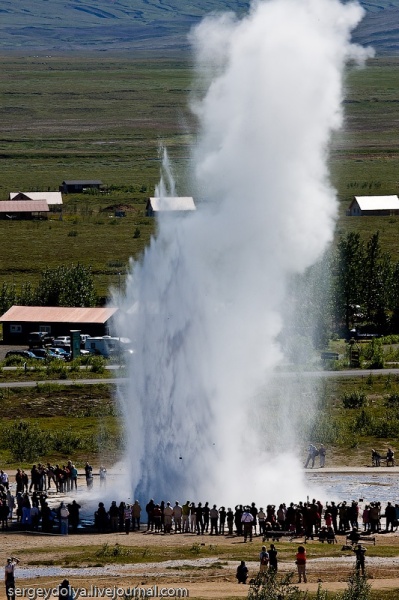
<point>301,563</point>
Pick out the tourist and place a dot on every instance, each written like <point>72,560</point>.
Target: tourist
<point>222,519</point>
<point>74,478</point>
<point>157,518</point>
<point>263,560</point>
<point>273,558</point>
<point>312,453</point>
<point>89,475</point>
<point>360,552</point>
<point>149,510</point>
<point>103,476</point>
<point>242,573</point>
<point>65,590</point>
<point>205,516</point>
<point>186,517</point>
<point>230,521</point>
<point>113,513</point>
<point>74,518</point>
<point>262,521</point>
<point>301,564</point>
<point>193,517</point>
<point>136,513</point>
<point>168,514</point>
<point>127,516</point>
<point>375,458</point>
<point>390,457</point>
<point>322,455</point>
<point>9,576</point>
<point>199,512</point>
<point>4,479</point>
<point>237,519</point>
<point>247,520</point>
<point>214,517</point>
<point>64,516</point>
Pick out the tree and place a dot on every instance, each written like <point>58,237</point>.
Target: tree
<point>66,286</point>
<point>348,268</point>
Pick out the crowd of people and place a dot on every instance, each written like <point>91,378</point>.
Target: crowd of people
<point>29,508</point>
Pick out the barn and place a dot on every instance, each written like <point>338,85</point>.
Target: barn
<point>176,204</point>
<point>373,206</point>
<point>77,186</point>
<point>23,209</point>
<point>53,199</point>
<point>19,321</point>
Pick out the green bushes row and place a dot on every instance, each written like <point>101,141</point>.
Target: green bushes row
<point>27,441</point>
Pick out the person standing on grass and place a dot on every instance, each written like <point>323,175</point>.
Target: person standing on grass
<point>301,564</point>
<point>263,560</point>
<point>9,576</point>
<point>360,552</point>
<point>322,455</point>
<point>273,558</point>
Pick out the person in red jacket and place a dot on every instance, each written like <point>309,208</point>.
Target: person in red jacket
<point>301,563</point>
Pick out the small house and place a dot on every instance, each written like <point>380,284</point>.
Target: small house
<point>23,209</point>
<point>53,199</point>
<point>177,204</point>
<point>373,206</point>
<point>78,186</point>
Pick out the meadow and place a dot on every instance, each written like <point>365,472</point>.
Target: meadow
<point>102,117</point>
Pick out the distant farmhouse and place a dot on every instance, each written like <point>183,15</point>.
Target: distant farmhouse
<point>19,321</point>
<point>23,209</point>
<point>373,206</point>
<point>78,186</point>
<point>53,199</point>
<point>174,204</point>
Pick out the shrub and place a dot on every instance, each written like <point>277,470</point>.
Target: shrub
<point>268,586</point>
<point>26,441</point>
<point>66,442</point>
<point>97,364</point>
<point>392,400</point>
<point>354,399</point>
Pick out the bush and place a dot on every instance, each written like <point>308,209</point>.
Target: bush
<point>392,400</point>
<point>97,364</point>
<point>268,586</point>
<point>354,399</point>
<point>66,442</point>
<point>26,441</point>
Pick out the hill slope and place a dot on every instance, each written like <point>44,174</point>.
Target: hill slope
<point>120,25</point>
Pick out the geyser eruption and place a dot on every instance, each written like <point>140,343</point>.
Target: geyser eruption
<point>204,419</point>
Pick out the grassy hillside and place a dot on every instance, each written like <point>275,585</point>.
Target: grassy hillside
<point>145,25</point>
<point>104,118</point>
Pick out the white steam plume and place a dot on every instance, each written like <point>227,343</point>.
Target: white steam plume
<point>204,305</point>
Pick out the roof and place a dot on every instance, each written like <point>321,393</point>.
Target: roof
<point>377,202</point>
<point>57,314</point>
<point>172,203</point>
<point>50,197</point>
<point>82,182</point>
<point>14,206</point>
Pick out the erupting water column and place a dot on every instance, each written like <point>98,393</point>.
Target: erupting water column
<point>204,305</point>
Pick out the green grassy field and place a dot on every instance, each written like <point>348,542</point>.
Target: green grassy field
<point>104,118</point>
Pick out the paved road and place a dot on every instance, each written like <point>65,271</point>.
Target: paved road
<point>122,380</point>
<point>115,381</point>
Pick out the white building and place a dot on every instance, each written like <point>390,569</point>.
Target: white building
<point>373,206</point>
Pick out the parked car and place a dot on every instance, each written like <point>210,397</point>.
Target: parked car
<point>39,339</point>
<point>63,341</point>
<point>24,353</point>
<point>60,352</point>
<point>46,354</point>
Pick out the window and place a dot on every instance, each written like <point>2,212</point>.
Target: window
<point>45,328</point>
<point>15,328</point>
